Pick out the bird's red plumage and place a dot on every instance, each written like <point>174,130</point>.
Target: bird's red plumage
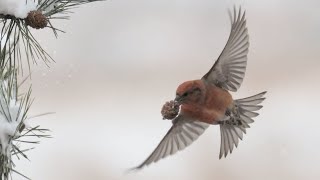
<point>212,104</point>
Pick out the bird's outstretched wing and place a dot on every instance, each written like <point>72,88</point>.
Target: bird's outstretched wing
<point>183,132</point>
<point>229,70</point>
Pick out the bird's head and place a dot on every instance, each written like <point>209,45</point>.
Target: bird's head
<point>190,92</point>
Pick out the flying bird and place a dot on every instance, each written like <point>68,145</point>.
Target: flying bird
<point>207,101</point>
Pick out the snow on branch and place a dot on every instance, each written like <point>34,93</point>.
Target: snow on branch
<point>16,18</point>
<point>14,131</point>
<point>17,8</point>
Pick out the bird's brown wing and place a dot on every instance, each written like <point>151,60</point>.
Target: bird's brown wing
<point>229,70</point>
<point>183,132</point>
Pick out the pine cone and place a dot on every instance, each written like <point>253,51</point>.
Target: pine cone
<point>170,110</point>
<point>36,20</point>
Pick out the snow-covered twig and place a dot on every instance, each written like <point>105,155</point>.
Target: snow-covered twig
<point>16,18</point>
<point>13,129</point>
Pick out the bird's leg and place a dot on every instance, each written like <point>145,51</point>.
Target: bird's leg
<point>235,110</point>
<point>232,121</point>
<point>237,114</point>
<point>238,122</point>
<point>228,112</point>
<point>234,115</point>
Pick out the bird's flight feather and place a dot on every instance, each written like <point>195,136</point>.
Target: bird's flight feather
<point>183,132</point>
<point>229,70</point>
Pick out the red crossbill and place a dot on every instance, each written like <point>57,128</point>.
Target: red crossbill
<point>207,101</point>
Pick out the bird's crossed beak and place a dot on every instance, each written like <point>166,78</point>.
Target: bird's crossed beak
<point>178,99</point>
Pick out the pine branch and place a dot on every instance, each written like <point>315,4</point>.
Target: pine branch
<point>13,113</point>
<point>17,42</point>
<point>17,37</point>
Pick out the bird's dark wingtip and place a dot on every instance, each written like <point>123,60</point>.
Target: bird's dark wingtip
<point>132,170</point>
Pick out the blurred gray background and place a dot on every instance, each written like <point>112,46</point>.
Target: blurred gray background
<point>120,60</point>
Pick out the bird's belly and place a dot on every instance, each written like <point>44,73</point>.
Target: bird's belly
<point>216,104</point>
<point>210,116</point>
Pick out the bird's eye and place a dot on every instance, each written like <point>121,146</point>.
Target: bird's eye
<point>185,94</point>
